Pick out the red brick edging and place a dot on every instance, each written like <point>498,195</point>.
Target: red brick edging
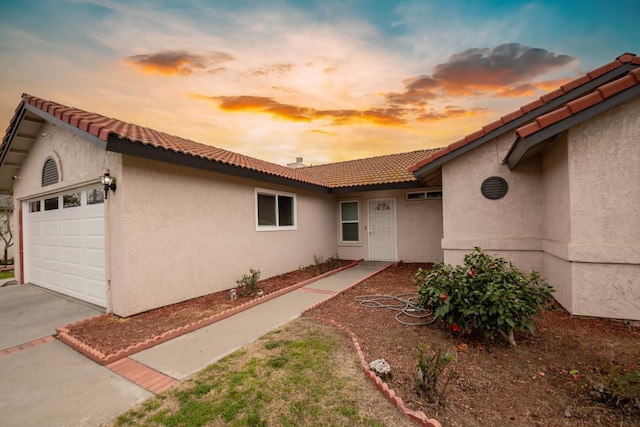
<point>26,345</point>
<point>417,416</point>
<point>142,375</point>
<point>104,359</point>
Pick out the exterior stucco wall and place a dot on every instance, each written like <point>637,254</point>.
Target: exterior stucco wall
<point>79,164</point>
<point>509,227</point>
<point>605,213</point>
<point>606,290</point>
<point>183,233</point>
<point>418,227</point>
<point>556,221</point>
<point>605,184</point>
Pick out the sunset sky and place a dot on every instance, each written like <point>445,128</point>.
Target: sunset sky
<point>327,80</point>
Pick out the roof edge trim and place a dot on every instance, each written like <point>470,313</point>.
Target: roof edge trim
<point>66,126</point>
<point>523,144</point>
<point>137,149</point>
<point>14,128</point>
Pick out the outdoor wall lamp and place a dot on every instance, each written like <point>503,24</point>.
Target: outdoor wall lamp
<point>109,183</point>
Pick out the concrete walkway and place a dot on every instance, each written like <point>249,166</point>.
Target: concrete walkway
<point>50,384</point>
<point>187,354</point>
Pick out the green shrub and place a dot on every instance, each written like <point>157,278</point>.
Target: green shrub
<point>486,294</point>
<point>247,283</point>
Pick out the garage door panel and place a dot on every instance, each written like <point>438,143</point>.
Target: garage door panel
<point>51,253</point>
<point>94,227</point>
<point>72,256</point>
<point>52,278</point>
<point>95,291</point>
<point>50,228</point>
<point>95,258</point>
<point>72,227</point>
<point>34,251</point>
<point>35,229</point>
<point>36,275</point>
<point>65,249</point>
<point>72,284</point>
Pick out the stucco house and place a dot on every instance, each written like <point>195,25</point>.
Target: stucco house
<point>553,186</point>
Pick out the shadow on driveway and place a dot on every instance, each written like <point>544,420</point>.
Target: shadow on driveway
<point>28,312</point>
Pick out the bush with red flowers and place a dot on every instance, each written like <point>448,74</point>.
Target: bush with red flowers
<point>486,294</point>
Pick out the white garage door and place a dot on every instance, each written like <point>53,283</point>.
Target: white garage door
<point>65,244</point>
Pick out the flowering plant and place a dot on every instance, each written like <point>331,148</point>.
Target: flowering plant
<point>486,294</point>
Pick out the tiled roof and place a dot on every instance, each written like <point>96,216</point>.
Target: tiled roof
<point>389,169</point>
<point>574,107</point>
<point>102,127</point>
<point>544,100</point>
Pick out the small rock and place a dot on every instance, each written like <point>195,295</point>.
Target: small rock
<point>380,367</point>
<point>567,413</point>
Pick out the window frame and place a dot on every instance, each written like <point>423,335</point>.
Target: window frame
<point>423,195</point>
<point>276,194</point>
<point>342,221</point>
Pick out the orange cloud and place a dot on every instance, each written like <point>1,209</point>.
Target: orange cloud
<point>516,91</point>
<point>169,63</point>
<point>549,85</point>
<point>265,105</point>
<point>450,112</point>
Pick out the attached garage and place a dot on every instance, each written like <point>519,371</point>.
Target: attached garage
<point>65,243</point>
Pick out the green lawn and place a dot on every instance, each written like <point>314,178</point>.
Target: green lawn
<point>300,375</point>
<point>6,274</point>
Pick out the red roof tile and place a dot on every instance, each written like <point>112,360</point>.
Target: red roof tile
<point>378,170</point>
<point>542,121</point>
<point>389,169</point>
<point>571,108</point>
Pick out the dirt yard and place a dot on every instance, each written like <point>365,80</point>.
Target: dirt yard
<point>531,384</point>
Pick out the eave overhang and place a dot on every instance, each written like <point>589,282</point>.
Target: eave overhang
<point>526,146</point>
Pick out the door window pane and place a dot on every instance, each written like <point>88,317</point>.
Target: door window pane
<point>34,206</point>
<point>95,196</point>
<point>51,204</point>
<point>71,200</point>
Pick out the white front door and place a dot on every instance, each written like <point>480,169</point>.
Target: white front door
<point>382,230</point>
<point>65,245</point>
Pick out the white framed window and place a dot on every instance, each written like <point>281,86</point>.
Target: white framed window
<point>275,210</point>
<point>423,195</point>
<point>350,221</point>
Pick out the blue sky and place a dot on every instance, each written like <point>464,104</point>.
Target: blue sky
<point>324,80</point>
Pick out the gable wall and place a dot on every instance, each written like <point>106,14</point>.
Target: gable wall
<point>184,233</point>
<point>418,226</point>
<point>509,227</point>
<point>79,164</point>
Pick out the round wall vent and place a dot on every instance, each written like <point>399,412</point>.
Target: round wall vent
<point>494,188</point>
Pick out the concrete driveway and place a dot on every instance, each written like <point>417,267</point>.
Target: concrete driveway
<point>47,383</point>
<point>28,313</point>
